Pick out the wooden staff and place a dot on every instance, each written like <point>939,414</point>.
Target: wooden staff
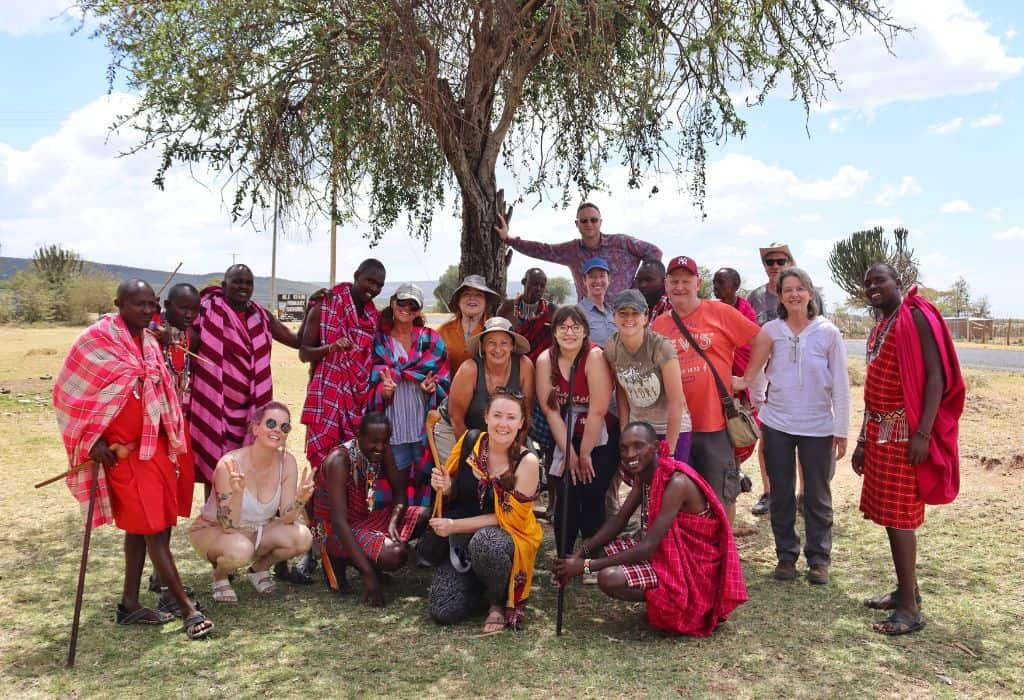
<point>122,452</point>
<point>168,280</point>
<point>433,416</point>
<point>563,525</point>
<point>81,567</point>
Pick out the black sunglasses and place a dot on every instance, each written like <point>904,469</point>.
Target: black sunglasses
<point>408,304</point>
<point>591,220</point>
<point>270,423</point>
<point>768,262</point>
<point>506,391</point>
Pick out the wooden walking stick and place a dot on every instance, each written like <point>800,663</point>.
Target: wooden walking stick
<point>122,452</point>
<point>168,280</point>
<point>433,416</point>
<point>81,567</point>
<point>563,496</point>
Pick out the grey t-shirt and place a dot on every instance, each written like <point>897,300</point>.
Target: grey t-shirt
<point>639,375</point>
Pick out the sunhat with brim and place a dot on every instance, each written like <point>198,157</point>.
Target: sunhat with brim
<point>777,248</point>
<point>472,282</point>
<point>496,325</point>
<point>407,290</point>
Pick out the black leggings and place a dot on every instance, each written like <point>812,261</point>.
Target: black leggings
<point>582,505</point>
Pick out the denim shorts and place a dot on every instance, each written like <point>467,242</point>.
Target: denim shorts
<point>407,454</point>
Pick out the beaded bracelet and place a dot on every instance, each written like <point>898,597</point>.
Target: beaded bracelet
<point>926,436</point>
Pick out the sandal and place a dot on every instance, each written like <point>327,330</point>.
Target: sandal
<point>197,626</point>
<point>223,592</point>
<point>261,581</point>
<point>168,604</point>
<point>141,616</point>
<point>156,586</point>
<point>494,624</point>
<point>897,624</point>
<point>888,601</point>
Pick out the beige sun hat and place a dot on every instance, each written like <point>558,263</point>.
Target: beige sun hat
<point>494,325</point>
<point>777,248</point>
<point>473,282</point>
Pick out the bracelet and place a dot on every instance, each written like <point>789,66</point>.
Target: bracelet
<point>921,433</point>
<point>586,567</point>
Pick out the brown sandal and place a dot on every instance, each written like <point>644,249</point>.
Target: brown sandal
<point>494,624</point>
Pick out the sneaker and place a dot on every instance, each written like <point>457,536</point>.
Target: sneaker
<point>763,505</point>
<point>818,574</point>
<point>785,571</point>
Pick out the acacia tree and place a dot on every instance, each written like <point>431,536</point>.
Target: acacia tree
<point>383,105</point>
<point>851,258</point>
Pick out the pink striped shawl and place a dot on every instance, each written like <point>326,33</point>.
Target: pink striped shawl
<point>103,365</point>
<point>232,380</point>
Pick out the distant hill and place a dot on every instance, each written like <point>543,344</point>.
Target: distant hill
<point>8,266</point>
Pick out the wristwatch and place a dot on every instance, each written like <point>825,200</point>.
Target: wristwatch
<point>586,567</point>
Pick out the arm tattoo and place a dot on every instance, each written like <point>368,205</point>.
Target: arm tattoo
<point>224,510</point>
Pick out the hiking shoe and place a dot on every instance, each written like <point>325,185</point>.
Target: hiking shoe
<point>818,574</point>
<point>763,505</point>
<point>785,571</point>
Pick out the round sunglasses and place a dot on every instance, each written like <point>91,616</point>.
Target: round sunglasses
<point>270,424</point>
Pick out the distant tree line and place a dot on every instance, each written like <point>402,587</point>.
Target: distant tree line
<point>57,287</point>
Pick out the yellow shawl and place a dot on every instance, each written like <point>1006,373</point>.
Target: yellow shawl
<point>515,517</point>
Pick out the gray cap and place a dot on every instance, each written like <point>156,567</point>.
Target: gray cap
<point>473,282</point>
<point>630,299</point>
<point>408,290</point>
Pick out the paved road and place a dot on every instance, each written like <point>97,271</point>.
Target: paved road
<point>979,358</point>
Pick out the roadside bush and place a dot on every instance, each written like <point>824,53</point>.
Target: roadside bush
<point>33,300</point>
<point>90,294</point>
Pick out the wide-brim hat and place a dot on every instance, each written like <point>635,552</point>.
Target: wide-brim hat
<point>777,248</point>
<point>498,324</point>
<point>472,282</point>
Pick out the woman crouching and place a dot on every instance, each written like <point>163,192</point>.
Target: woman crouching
<point>488,486</point>
<point>251,514</point>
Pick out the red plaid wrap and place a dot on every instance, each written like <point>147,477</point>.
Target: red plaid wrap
<point>700,581</point>
<point>232,380</point>
<point>340,385</point>
<point>663,306</point>
<point>103,365</point>
<point>641,575</point>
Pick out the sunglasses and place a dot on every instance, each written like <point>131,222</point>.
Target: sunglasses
<point>270,424</point>
<point>409,304</point>
<point>506,391</point>
<point>591,220</point>
<point>778,262</point>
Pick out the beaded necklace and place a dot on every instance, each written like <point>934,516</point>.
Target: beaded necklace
<point>485,482</point>
<point>645,502</point>
<point>877,339</point>
<point>179,362</point>
<point>365,470</point>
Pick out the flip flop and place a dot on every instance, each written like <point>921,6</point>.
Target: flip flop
<point>887,601</point>
<point>197,626</point>
<point>896,625</point>
<point>141,616</point>
<point>494,619</point>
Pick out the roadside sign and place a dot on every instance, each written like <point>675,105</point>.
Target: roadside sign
<point>291,307</point>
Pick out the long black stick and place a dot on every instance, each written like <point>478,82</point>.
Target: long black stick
<point>82,565</point>
<point>563,497</point>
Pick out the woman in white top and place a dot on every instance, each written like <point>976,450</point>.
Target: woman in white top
<point>806,411</point>
<point>251,514</point>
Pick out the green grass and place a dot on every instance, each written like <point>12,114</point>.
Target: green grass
<point>789,640</point>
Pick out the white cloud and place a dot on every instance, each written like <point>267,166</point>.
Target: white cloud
<point>811,218</point>
<point>752,231</point>
<point>987,121</point>
<point>1010,234</point>
<point>836,126</point>
<point>951,51</point>
<point>22,17</point>
<point>946,128</point>
<point>957,206</point>
<point>994,214</point>
<point>1009,34</point>
<point>907,187</point>
<point>888,223</point>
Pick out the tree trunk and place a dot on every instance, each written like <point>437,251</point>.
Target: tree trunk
<point>483,253</point>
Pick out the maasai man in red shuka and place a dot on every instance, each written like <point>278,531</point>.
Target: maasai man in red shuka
<point>114,389</point>
<point>338,340</point>
<point>907,451</point>
<point>684,564</point>
<point>232,375</point>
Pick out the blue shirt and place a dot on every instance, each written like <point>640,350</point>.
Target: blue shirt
<point>602,321</point>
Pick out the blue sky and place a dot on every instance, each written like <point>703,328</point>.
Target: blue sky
<point>925,139</point>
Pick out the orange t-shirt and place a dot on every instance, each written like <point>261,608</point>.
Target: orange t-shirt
<point>719,329</point>
<point>455,342</point>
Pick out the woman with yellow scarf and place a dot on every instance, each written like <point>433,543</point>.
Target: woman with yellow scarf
<point>488,486</point>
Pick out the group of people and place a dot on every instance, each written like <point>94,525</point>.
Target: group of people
<point>446,438</point>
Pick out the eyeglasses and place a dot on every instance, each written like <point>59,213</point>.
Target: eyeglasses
<point>591,220</point>
<point>575,329</point>
<point>778,262</point>
<point>508,391</point>
<point>270,424</point>
<point>409,304</point>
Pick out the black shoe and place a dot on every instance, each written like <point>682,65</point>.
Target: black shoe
<point>763,505</point>
<point>746,485</point>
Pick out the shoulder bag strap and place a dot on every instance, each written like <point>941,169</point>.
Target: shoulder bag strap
<point>723,393</point>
